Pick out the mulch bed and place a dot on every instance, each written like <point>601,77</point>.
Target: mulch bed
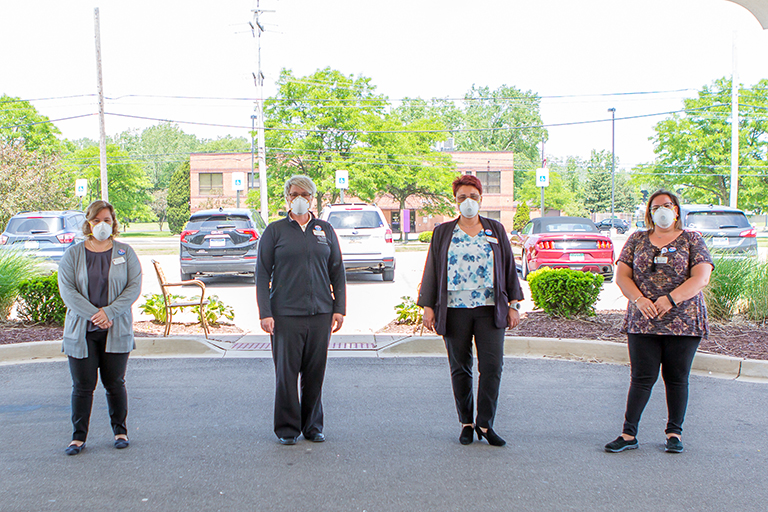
<point>737,338</point>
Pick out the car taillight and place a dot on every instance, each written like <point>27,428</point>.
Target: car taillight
<point>388,236</point>
<point>545,245</point>
<point>604,244</point>
<point>254,234</point>
<point>64,238</point>
<point>3,239</point>
<point>186,233</point>
<point>750,233</point>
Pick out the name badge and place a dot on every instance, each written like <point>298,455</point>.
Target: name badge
<point>319,232</point>
<point>492,239</point>
<point>660,259</point>
<point>118,261</point>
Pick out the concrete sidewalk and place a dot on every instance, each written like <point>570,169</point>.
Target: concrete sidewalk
<point>382,346</point>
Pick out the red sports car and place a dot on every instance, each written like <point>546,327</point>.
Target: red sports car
<point>563,242</point>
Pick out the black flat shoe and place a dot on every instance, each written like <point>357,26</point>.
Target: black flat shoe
<point>491,436</point>
<point>287,440</point>
<point>317,437</point>
<point>121,443</point>
<point>467,435</point>
<point>74,449</point>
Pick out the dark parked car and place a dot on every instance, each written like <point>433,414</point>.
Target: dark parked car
<point>621,225</point>
<point>46,234</point>
<point>223,241</point>
<point>563,242</point>
<point>726,230</point>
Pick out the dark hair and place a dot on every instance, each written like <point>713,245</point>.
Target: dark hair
<point>469,180</point>
<point>649,216</point>
<point>94,209</point>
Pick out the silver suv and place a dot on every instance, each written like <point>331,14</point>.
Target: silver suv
<point>365,238</point>
<point>726,230</point>
<point>46,234</point>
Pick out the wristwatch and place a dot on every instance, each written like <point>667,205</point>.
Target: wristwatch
<point>516,306</point>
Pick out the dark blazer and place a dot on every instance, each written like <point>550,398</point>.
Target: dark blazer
<point>434,283</point>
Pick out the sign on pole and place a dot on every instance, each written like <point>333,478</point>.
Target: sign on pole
<point>238,181</point>
<point>81,187</point>
<point>542,177</point>
<point>342,179</point>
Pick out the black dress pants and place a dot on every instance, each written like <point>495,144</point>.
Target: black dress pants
<point>462,324</point>
<point>300,353</point>
<point>85,373</point>
<point>674,354</point>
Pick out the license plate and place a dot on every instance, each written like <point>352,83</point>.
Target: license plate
<point>217,242</point>
<point>31,244</point>
<point>720,241</point>
<point>577,256</point>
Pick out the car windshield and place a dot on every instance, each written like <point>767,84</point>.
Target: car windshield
<point>209,222</point>
<point>717,220</point>
<point>354,220</point>
<point>33,225</point>
<point>568,227</point>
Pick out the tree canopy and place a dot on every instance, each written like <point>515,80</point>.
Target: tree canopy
<point>21,124</point>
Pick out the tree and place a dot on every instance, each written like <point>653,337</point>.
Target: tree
<point>693,149</point>
<point>127,183</point>
<point>522,216</point>
<point>21,124</point>
<point>159,206</point>
<point>29,181</point>
<point>226,144</point>
<point>597,186</point>
<point>314,127</point>
<point>178,199</point>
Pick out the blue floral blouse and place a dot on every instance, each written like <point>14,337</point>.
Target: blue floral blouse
<point>470,270</point>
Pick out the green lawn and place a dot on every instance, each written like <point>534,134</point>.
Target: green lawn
<point>146,229</point>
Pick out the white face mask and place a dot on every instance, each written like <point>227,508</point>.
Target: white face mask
<point>101,231</point>
<point>299,206</point>
<point>664,217</point>
<point>469,207</point>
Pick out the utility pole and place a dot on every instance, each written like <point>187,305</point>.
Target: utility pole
<point>734,130</point>
<point>613,159</point>
<point>259,82</point>
<point>102,131</point>
<point>543,165</point>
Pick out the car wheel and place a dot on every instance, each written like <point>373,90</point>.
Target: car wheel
<point>524,273</point>
<point>388,274</point>
<point>621,231</point>
<point>186,277</point>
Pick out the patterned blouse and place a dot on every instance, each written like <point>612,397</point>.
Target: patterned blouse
<point>470,270</point>
<point>655,278</point>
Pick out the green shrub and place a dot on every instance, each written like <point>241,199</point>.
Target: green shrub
<point>565,293</point>
<point>408,312</point>
<point>215,310</point>
<point>522,216</point>
<point>154,305</point>
<point>726,287</point>
<point>40,302</point>
<point>756,293</point>
<point>15,267</point>
<point>425,237</point>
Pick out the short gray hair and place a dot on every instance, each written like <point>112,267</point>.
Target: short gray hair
<point>301,181</point>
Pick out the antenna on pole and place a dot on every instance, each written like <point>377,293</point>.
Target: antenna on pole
<point>258,78</point>
<point>102,131</point>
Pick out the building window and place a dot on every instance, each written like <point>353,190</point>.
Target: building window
<point>491,181</point>
<point>211,184</point>
<point>491,214</point>
<point>253,180</point>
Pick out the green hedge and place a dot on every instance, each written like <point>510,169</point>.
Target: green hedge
<point>425,237</point>
<point>565,293</point>
<point>39,301</point>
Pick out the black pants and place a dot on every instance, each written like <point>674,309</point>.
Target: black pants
<point>461,325</point>
<point>84,379</point>
<point>300,353</point>
<point>674,354</point>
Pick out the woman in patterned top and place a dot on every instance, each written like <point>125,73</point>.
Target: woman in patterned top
<point>470,289</point>
<point>662,272</point>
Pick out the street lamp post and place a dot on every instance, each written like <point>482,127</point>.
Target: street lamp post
<point>613,159</point>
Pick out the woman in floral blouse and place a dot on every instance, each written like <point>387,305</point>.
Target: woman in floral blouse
<point>662,272</point>
<point>470,289</point>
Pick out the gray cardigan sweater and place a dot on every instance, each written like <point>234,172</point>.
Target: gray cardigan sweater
<point>124,290</point>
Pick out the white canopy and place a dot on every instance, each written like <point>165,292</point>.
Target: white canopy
<point>758,8</point>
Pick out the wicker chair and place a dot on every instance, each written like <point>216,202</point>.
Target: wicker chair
<point>170,304</point>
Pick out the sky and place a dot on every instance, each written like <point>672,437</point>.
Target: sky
<point>192,61</point>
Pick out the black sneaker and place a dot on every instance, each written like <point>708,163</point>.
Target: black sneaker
<point>674,445</point>
<point>621,444</point>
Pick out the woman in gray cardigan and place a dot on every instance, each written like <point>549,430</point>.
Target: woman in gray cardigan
<point>99,280</point>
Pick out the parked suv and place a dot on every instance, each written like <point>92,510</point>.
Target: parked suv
<point>223,241</point>
<point>621,225</point>
<point>364,236</point>
<point>726,230</point>
<point>46,234</point>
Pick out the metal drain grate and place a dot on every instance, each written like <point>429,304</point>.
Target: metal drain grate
<point>333,346</point>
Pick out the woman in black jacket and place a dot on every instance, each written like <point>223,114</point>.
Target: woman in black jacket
<point>470,289</point>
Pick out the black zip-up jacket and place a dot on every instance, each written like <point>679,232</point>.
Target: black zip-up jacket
<point>300,273</point>
<point>433,292</point>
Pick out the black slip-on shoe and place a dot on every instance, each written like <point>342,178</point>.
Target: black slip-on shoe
<point>74,449</point>
<point>492,437</point>
<point>317,437</point>
<point>121,443</point>
<point>674,445</point>
<point>287,440</point>
<point>620,444</point>
<point>467,435</point>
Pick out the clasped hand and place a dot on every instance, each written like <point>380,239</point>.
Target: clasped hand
<point>651,309</point>
<point>100,320</point>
